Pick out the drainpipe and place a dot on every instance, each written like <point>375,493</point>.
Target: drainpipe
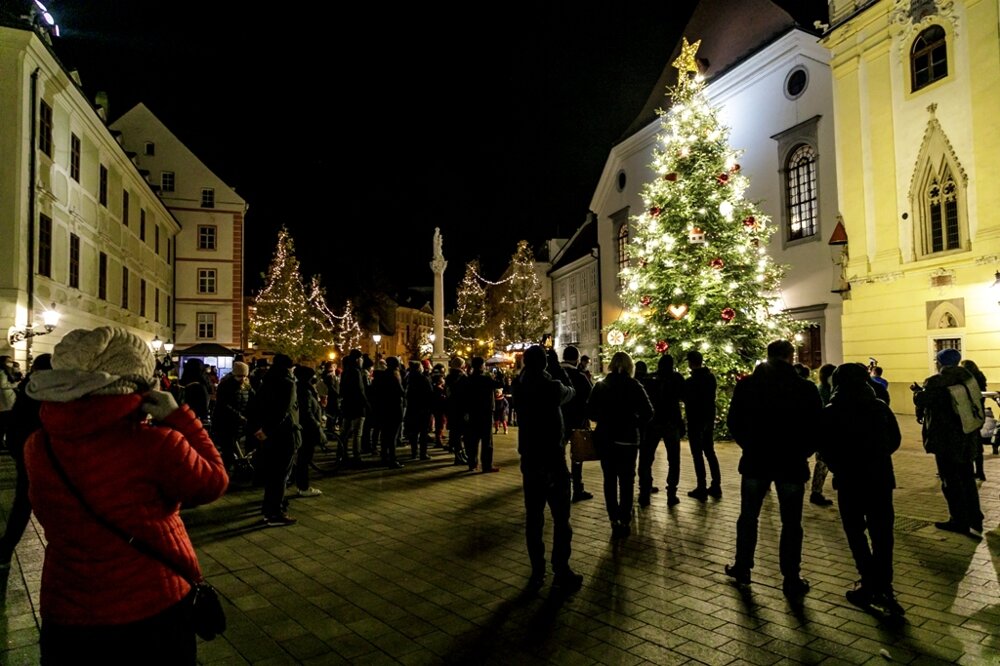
<point>32,167</point>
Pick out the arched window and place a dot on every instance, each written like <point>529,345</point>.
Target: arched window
<point>622,252</point>
<point>941,203</point>
<point>928,58</point>
<point>800,193</point>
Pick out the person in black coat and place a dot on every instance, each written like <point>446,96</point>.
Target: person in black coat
<point>858,434</point>
<point>699,404</point>
<point>197,390</point>
<point>387,386</point>
<point>353,406</point>
<point>771,416</point>
<point>621,408</point>
<point>274,421</point>
<point>24,420</point>
<point>665,389</point>
<point>575,413</point>
<point>476,400</point>
<point>311,421</point>
<point>229,416</point>
<point>453,408</point>
<point>542,445</point>
<point>419,401</point>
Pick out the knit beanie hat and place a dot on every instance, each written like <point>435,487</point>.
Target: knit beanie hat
<point>947,357</point>
<point>103,361</point>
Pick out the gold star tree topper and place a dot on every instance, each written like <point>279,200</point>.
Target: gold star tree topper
<point>686,61</point>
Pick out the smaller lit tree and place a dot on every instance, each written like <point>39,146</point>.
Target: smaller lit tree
<point>466,321</point>
<point>524,317</point>
<point>349,333</point>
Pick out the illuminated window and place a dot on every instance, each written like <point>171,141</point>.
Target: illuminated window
<point>928,58</point>
<point>74,261</point>
<point>125,287</point>
<point>102,193</point>
<point>942,213</point>
<point>803,204</point>
<point>45,128</point>
<point>45,245</point>
<point>74,157</point>
<point>206,325</point>
<point>206,280</point>
<point>102,276</point>
<point>621,253</point>
<point>206,237</point>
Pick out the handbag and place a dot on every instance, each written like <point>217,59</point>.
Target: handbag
<point>207,615</point>
<point>582,446</point>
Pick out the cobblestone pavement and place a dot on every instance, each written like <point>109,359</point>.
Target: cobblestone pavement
<point>427,565</point>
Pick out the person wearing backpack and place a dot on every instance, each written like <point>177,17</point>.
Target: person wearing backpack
<point>947,405</point>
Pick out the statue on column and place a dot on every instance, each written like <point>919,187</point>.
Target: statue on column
<point>438,264</point>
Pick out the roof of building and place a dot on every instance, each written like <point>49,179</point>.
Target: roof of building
<point>581,244</point>
<point>730,32</point>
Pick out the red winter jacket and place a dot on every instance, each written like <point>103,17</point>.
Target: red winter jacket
<point>136,476</point>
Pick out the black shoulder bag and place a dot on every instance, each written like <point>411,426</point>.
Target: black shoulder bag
<point>207,614</point>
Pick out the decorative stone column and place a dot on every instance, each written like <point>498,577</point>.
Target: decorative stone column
<point>438,264</point>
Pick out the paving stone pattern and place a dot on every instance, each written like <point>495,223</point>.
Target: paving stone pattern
<point>427,565</point>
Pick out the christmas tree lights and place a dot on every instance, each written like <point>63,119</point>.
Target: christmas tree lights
<point>287,318</point>
<point>468,320</point>
<point>524,317</point>
<point>699,276</point>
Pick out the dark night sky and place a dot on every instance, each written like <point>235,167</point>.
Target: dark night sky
<point>363,127</point>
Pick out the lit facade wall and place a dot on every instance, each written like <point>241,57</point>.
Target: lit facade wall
<point>211,237</point>
<point>908,300</point>
<point>66,197</point>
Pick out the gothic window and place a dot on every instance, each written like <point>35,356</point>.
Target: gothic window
<point>928,58</point>
<point>800,193</point>
<point>941,203</point>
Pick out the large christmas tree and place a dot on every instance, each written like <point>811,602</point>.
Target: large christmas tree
<point>524,317</point>
<point>467,321</point>
<point>699,276</point>
<point>285,319</point>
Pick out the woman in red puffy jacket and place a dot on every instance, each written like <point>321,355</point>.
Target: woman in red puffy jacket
<point>102,599</point>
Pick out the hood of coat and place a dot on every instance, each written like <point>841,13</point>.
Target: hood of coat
<point>83,417</point>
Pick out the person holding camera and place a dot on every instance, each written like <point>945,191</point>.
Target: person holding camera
<point>100,470</point>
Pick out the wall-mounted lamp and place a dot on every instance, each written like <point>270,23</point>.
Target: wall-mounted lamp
<point>50,319</point>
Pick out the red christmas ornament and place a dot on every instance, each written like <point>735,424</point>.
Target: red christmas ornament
<point>736,168</point>
<point>722,178</point>
<point>750,223</point>
<point>645,300</point>
<point>728,314</point>
<point>672,177</point>
<point>717,263</point>
<point>655,211</point>
<point>662,346</point>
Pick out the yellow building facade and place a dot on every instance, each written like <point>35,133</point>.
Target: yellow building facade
<point>916,96</point>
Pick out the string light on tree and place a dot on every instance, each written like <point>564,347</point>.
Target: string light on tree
<point>286,317</point>
<point>715,288</point>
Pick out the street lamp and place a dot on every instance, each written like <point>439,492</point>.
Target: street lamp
<point>50,319</point>
<point>377,338</point>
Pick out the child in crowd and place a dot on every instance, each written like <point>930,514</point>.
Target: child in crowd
<point>499,411</point>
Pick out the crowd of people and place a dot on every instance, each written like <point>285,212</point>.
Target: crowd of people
<point>107,452</point>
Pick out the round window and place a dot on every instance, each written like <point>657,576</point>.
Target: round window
<point>622,180</point>
<point>796,82</point>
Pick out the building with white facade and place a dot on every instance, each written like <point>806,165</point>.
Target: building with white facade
<point>576,300</point>
<point>81,229</point>
<point>771,81</point>
<point>209,248</point>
